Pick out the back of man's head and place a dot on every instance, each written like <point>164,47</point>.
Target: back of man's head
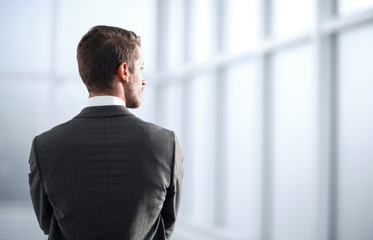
<point>100,52</point>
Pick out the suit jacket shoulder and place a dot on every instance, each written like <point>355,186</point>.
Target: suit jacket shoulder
<point>108,172</point>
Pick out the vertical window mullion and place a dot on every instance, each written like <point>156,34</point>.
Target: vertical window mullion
<point>325,72</point>
<point>264,70</point>
<point>220,124</point>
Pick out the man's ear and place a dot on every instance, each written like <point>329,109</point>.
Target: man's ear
<point>123,72</point>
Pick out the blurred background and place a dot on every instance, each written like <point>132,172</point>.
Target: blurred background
<point>272,102</point>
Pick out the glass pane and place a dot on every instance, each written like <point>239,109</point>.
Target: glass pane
<point>355,152</point>
<point>173,108</point>
<point>24,114</point>
<point>348,7</point>
<point>136,16</point>
<point>294,145</point>
<point>202,30</point>
<point>241,13</point>
<point>175,38</point>
<point>291,16</point>
<point>243,151</point>
<point>69,99</point>
<point>201,141</point>
<point>25,42</point>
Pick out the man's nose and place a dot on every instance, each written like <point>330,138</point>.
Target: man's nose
<point>144,82</point>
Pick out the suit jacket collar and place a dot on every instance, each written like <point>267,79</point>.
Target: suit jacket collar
<point>103,111</point>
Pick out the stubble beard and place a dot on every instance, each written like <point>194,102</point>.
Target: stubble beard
<point>132,96</point>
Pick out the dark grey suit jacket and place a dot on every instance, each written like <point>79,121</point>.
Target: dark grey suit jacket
<point>106,175</point>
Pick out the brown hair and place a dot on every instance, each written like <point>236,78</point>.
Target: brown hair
<point>100,52</point>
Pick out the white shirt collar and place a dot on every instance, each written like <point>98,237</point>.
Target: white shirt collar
<point>104,101</point>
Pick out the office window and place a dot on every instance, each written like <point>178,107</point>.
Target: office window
<point>355,165</point>
<point>201,126</point>
<point>69,99</point>
<point>201,22</point>
<point>172,100</point>
<point>294,144</point>
<point>25,42</point>
<point>349,7</point>
<point>21,120</point>
<point>239,14</point>
<point>243,150</point>
<point>291,16</point>
<point>175,41</point>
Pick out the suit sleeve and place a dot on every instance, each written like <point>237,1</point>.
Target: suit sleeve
<point>172,202</point>
<point>40,202</point>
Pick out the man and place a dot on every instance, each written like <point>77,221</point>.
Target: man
<point>106,174</point>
